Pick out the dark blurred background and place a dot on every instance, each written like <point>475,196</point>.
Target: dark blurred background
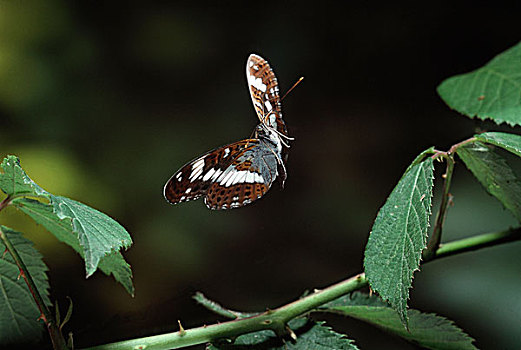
<point>103,102</point>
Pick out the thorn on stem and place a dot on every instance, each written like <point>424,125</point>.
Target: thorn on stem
<point>181,329</point>
<point>291,333</point>
<point>42,318</point>
<point>70,341</point>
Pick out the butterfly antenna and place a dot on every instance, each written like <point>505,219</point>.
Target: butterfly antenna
<point>294,86</point>
<point>282,137</point>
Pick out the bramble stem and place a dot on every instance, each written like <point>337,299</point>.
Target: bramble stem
<point>48,318</point>
<point>276,320</point>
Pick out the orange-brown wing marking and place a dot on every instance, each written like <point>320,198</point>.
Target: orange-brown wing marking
<point>220,197</point>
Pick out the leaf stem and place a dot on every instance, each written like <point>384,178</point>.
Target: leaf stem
<point>477,242</point>
<point>45,315</point>
<point>5,202</point>
<point>276,320</point>
<point>434,241</point>
<point>455,147</point>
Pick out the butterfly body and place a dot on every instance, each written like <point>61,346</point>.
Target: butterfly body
<point>239,173</point>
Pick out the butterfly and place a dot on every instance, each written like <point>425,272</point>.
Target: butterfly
<point>239,173</point>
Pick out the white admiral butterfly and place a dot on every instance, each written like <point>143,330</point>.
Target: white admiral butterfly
<point>241,172</point>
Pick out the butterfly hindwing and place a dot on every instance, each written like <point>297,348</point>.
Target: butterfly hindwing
<point>235,196</point>
<point>247,179</point>
<point>194,178</point>
<point>264,91</point>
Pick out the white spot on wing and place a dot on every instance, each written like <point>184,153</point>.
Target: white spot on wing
<point>241,179</point>
<point>238,178</point>
<point>225,177</point>
<point>198,163</point>
<point>226,152</point>
<point>188,190</point>
<point>195,175</point>
<point>216,175</point>
<point>197,169</point>
<point>208,174</point>
<point>259,178</point>
<point>268,106</point>
<point>231,178</point>
<point>256,83</point>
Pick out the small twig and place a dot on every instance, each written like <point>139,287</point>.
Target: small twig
<point>435,239</point>
<point>455,147</point>
<point>5,202</point>
<point>45,315</point>
<point>477,242</point>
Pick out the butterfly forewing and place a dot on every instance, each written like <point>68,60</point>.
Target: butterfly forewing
<point>193,179</point>
<point>264,91</point>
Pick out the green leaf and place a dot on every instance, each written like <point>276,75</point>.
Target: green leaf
<point>98,234</point>
<point>310,335</point>
<point>68,315</point>
<point>219,309</point>
<point>420,157</point>
<point>14,180</point>
<point>63,230</point>
<point>398,236</point>
<point>427,330</point>
<point>18,311</point>
<point>492,91</point>
<point>509,142</point>
<point>494,174</point>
